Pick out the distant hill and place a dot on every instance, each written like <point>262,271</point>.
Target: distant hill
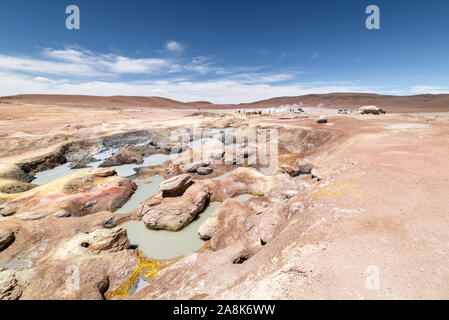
<point>417,103</point>
<point>100,101</point>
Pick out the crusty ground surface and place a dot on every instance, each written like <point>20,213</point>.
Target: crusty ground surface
<point>384,202</point>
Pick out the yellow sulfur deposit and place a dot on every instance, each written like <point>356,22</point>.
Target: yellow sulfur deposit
<point>145,268</point>
<point>339,189</point>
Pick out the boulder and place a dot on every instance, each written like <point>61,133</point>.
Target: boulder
<point>176,186</point>
<point>207,228</point>
<point>288,194</point>
<point>78,194</point>
<point>305,168</point>
<point>193,167</point>
<point>10,288</point>
<point>62,214</point>
<point>204,171</point>
<point>126,155</point>
<point>112,239</point>
<point>370,110</point>
<point>82,162</point>
<point>290,169</point>
<point>173,214</point>
<point>297,168</point>
<point>213,149</point>
<point>161,142</point>
<point>179,148</point>
<point>316,175</point>
<point>6,238</point>
<point>321,119</point>
<point>109,172</point>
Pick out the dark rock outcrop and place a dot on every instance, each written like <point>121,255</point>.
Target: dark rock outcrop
<point>6,238</point>
<point>126,155</point>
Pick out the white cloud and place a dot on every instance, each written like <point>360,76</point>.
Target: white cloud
<point>174,46</point>
<point>43,79</point>
<point>83,63</point>
<point>429,90</point>
<point>38,66</point>
<point>71,55</point>
<point>252,78</point>
<point>219,91</point>
<point>73,70</point>
<point>127,65</point>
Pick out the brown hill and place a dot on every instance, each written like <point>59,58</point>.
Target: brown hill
<point>100,101</point>
<point>417,103</point>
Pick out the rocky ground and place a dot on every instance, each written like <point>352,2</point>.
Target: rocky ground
<point>356,207</point>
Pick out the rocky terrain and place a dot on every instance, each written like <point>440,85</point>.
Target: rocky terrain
<point>336,200</point>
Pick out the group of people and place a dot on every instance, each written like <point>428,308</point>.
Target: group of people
<point>267,111</point>
<point>251,113</point>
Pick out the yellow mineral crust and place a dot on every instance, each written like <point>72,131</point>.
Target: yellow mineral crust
<point>145,268</point>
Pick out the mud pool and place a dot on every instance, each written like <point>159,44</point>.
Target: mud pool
<point>124,171</point>
<point>162,244</point>
<point>139,285</point>
<point>244,197</point>
<point>156,244</point>
<point>145,189</point>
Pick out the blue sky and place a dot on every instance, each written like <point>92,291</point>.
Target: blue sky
<point>223,51</point>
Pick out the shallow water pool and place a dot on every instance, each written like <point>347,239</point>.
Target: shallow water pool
<point>145,189</point>
<point>222,177</point>
<point>162,244</point>
<point>139,285</point>
<point>53,174</point>
<point>244,197</point>
<point>124,171</point>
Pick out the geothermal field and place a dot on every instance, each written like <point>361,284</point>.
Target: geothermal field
<point>150,198</point>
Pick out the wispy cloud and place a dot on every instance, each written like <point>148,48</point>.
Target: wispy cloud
<point>174,46</point>
<point>429,90</point>
<point>251,78</point>
<point>217,91</point>
<point>70,62</point>
<point>74,70</point>
<point>78,62</point>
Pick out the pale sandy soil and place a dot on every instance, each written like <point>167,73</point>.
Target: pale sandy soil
<point>31,130</point>
<point>393,214</point>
